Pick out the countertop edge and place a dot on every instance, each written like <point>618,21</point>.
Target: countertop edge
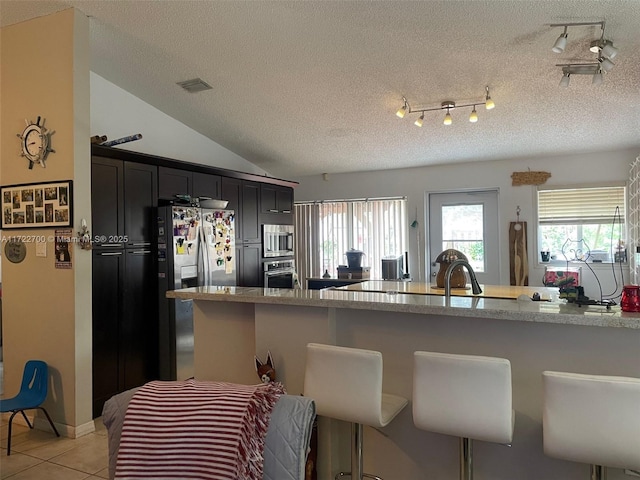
<point>510,310</point>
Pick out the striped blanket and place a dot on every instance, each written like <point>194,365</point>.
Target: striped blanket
<point>196,430</point>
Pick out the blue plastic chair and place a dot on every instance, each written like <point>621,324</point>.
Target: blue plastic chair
<point>32,395</point>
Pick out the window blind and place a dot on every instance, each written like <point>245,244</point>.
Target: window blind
<point>325,231</point>
<point>579,206</point>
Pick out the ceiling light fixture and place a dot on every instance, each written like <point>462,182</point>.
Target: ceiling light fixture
<point>473,117</point>
<point>404,109</point>
<point>447,105</point>
<point>561,42</point>
<point>602,47</point>
<point>593,69</point>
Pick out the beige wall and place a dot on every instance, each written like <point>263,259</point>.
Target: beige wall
<point>47,311</point>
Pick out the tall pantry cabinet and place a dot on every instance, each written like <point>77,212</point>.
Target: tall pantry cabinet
<point>124,195</point>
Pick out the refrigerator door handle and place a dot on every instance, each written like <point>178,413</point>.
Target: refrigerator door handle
<point>203,254</point>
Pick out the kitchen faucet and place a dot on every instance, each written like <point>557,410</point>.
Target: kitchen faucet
<point>475,286</point>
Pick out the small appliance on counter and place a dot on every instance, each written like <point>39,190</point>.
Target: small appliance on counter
<point>392,268</point>
<point>359,273</point>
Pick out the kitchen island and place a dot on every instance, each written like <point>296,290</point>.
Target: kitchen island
<point>232,324</point>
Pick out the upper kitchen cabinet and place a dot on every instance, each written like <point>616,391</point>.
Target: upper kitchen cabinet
<point>276,199</point>
<point>123,195</point>
<point>175,181</point>
<point>140,200</point>
<point>244,198</point>
<point>107,201</point>
<point>206,185</point>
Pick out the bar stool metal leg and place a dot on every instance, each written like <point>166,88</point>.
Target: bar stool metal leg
<point>357,458</point>
<point>466,459</point>
<point>598,472</point>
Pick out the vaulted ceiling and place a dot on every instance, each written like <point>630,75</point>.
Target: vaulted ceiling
<point>306,87</point>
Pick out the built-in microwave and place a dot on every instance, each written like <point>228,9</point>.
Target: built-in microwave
<point>277,241</point>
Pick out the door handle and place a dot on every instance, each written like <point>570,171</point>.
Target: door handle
<point>110,254</point>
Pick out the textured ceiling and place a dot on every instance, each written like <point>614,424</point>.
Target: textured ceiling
<point>306,87</point>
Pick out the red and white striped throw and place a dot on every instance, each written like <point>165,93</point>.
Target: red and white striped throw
<point>196,430</point>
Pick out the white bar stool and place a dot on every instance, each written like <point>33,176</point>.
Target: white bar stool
<point>346,384</point>
<point>592,419</point>
<point>465,396</point>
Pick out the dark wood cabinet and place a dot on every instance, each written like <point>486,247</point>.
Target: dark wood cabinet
<point>107,202</point>
<point>107,284</point>
<point>139,327</point>
<point>243,197</point>
<point>124,195</point>
<point>174,181</point>
<point>206,185</point>
<point>276,199</point>
<point>140,200</point>
<point>249,212</point>
<point>250,268</point>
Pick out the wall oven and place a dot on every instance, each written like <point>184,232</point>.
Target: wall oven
<point>277,241</point>
<point>279,274</point>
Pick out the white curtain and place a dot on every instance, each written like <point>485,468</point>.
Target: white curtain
<point>634,219</point>
<point>326,230</point>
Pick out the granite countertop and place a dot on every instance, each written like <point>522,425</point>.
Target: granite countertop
<point>557,312</point>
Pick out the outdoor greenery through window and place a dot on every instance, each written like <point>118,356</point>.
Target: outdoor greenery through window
<point>463,230</point>
<point>325,231</point>
<point>582,224</point>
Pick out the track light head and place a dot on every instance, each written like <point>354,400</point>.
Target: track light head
<point>566,78</point>
<point>609,51</point>
<point>403,110</point>
<point>597,78</point>
<point>561,42</point>
<point>605,64</point>
<point>419,121</point>
<point>488,103</point>
<point>448,105</point>
<point>473,117</point>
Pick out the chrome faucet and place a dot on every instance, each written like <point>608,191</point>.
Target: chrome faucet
<point>475,286</point>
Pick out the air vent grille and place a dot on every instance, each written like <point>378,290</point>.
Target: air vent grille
<point>195,85</point>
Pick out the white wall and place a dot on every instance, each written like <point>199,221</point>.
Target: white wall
<point>116,113</point>
<point>416,183</point>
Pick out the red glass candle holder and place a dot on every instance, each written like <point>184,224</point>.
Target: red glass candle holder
<point>630,298</point>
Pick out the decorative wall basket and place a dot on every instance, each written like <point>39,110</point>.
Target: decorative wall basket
<point>529,178</point>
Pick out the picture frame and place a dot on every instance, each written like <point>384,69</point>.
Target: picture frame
<point>37,205</point>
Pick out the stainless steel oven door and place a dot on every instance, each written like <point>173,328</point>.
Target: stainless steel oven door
<point>281,279</point>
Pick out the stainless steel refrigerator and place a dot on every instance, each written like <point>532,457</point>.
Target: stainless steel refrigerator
<point>196,246</point>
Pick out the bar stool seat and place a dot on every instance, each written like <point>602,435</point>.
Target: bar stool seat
<point>592,419</point>
<point>346,384</point>
<point>466,396</point>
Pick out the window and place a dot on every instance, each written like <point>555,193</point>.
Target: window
<point>582,224</point>
<point>326,230</point>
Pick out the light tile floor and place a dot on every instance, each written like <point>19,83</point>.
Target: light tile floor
<point>40,455</point>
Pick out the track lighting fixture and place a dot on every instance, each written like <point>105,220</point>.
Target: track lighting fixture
<point>561,42</point>
<point>447,105</point>
<point>473,117</point>
<point>569,69</point>
<point>404,109</point>
<point>447,118</point>
<point>488,103</point>
<point>602,47</point>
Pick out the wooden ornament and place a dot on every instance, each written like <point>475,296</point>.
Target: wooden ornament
<point>529,178</point>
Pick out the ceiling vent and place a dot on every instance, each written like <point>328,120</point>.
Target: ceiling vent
<point>195,85</point>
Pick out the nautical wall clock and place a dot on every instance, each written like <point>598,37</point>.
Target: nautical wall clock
<point>36,142</point>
